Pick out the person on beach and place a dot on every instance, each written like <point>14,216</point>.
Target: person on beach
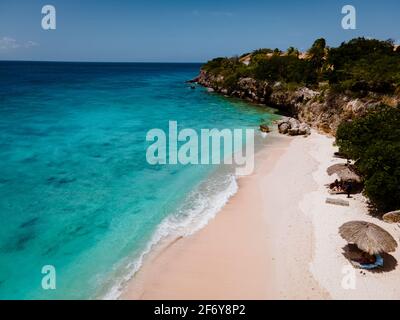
<point>366,259</point>
<point>335,186</point>
<point>348,189</point>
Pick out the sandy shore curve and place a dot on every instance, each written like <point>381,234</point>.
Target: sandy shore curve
<point>276,238</point>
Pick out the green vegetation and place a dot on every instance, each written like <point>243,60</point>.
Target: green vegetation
<point>361,68</point>
<point>317,55</point>
<point>231,69</point>
<point>374,142</point>
<point>357,67</point>
<point>365,65</point>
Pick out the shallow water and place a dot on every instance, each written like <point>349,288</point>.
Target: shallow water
<point>76,191</point>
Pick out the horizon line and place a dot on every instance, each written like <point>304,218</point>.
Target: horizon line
<point>83,61</point>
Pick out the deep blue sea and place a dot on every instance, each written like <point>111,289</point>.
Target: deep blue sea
<point>76,191</point>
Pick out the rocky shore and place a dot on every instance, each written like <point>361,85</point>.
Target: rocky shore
<point>322,108</point>
<point>293,127</point>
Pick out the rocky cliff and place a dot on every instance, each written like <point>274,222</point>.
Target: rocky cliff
<point>321,108</point>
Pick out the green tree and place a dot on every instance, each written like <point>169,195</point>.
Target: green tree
<point>292,51</point>
<point>317,53</point>
<point>365,65</point>
<point>374,142</point>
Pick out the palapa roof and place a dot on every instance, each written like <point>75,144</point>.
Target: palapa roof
<point>368,237</point>
<point>392,217</point>
<point>344,172</point>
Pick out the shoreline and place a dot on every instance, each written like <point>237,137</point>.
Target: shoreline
<point>237,256</point>
<point>276,238</point>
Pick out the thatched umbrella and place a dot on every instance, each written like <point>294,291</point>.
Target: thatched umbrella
<point>344,172</point>
<point>368,237</point>
<point>392,217</point>
<point>336,168</point>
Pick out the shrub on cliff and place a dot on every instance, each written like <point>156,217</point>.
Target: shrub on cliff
<point>374,142</point>
<point>262,51</point>
<point>285,68</point>
<point>365,65</point>
<point>357,67</point>
<point>214,66</point>
<point>231,70</point>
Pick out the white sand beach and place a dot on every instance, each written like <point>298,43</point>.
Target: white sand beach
<point>329,267</point>
<point>275,239</point>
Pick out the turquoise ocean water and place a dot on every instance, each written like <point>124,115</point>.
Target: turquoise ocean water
<point>76,191</point>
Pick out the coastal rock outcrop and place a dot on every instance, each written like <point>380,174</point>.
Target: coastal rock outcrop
<point>293,127</point>
<point>264,128</point>
<point>322,108</point>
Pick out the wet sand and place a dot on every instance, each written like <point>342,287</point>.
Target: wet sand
<point>259,246</point>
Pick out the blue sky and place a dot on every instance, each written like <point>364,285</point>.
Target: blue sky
<point>182,30</point>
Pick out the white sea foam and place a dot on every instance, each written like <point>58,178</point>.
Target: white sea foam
<point>200,207</point>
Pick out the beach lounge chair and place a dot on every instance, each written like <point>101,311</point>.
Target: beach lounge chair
<point>378,263</point>
<point>332,192</point>
<point>337,202</point>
